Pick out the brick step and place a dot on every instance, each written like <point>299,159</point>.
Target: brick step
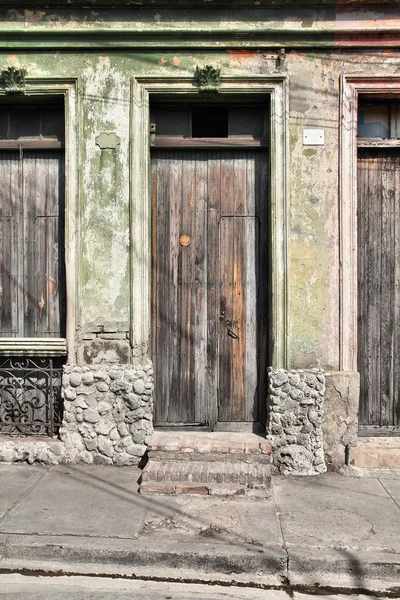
<point>217,463</point>
<point>205,472</point>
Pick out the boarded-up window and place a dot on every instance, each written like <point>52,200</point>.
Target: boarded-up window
<point>32,279</point>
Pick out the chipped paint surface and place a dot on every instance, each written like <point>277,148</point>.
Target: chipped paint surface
<point>103,269</point>
<point>104,238</point>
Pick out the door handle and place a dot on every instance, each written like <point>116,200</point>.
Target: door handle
<point>232,334</point>
<point>222,315</point>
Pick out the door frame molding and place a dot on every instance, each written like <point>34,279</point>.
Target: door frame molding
<point>67,87</point>
<point>143,90</point>
<point>351,86</point>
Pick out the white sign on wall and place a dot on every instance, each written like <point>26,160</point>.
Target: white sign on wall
<point>313,137</point>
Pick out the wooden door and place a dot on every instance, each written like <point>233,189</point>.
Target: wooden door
<point>210,285</point>
<point>32,298</point>
<point>378,290</point>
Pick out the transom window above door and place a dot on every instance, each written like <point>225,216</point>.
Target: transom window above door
<point>209,124</point>
<point>378,119</point>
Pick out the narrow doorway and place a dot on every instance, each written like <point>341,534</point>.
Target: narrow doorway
<point>378,233</point>
<point>210,184</point>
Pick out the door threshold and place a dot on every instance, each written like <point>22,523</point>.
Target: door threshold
<point>220,426</point>
<point>181,427</point>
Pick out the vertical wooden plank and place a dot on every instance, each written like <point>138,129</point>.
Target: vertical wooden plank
<point>374,292</point>
<point>200,289</point>
<point>252,284</point>
<point>176,288</point>
<point>187,253</point>
<point>362,234</point>
<point>237,404</point>
<point>213,307</point>
<point>226,248</point>
<point>387,291</point>
<point>162,266</point>
<point>10,247</point>
<point>226,308</point>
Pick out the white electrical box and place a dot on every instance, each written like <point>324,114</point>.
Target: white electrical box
<point>313,137</point>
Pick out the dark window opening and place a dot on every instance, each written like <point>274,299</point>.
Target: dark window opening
<point>378,119</point>
<point>210,121</point>
<point>198,121</point>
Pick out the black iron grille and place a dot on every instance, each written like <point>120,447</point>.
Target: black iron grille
<point>30,396</point>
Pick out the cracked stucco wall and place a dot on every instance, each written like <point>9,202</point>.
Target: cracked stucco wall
<point>105,308</point>
<point>340,422</point>
<point>103,266</point>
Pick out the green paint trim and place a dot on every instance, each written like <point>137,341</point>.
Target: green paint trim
<point>176,40</point>
<point>67,87</point>
<point>33,346</point>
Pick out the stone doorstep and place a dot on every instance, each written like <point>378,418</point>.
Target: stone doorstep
<point>209,443</point>
<point>148,488</point>
<point>161,455</point>
<point>376,453</point>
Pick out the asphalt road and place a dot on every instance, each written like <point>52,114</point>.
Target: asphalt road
<point>13,587</point>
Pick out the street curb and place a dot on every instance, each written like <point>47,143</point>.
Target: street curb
<point>267,565</point>
<point>344,568</point>
<point>310,567</point>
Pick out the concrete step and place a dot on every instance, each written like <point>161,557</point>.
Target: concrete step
<point>217,463</point>
<point>376,453</point>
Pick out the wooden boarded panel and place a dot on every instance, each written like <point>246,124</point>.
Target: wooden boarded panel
<point>180,181</point>
<point>217,199</point>
<point>238,379</point>
<point>10,248</point>
<point>378,287</point>
<point>43,179</point>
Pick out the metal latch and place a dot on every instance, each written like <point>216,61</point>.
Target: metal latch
<point>152,134</point>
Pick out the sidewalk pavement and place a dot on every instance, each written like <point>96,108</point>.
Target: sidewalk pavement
<point>328,530</point>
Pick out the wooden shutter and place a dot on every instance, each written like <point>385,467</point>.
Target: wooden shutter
<point>32,240</point>
<point>378,287</point>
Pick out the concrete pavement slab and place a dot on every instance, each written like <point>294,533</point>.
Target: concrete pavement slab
<point>86,588</point>
<point>207,518</point>
<point>392,486</point>
<point>81,500</point>
<point>330,510</point>
<point>15,481</point>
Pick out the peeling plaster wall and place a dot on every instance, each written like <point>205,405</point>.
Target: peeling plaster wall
<point>104,219</point>
<point>103,266</point>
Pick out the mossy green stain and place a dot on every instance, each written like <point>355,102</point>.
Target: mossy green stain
<point>309,152</point>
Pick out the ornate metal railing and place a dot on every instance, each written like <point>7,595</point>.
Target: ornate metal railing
<point>30,396</point>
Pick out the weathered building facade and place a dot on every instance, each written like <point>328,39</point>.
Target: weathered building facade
<point>185,204</point>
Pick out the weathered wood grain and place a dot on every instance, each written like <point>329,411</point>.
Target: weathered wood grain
<point>32,243</point>
<point>378,286</point>
<point>209,318</point>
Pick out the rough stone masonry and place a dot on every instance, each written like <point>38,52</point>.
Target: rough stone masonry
<point>107,419</point>
<point>296,401</point>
